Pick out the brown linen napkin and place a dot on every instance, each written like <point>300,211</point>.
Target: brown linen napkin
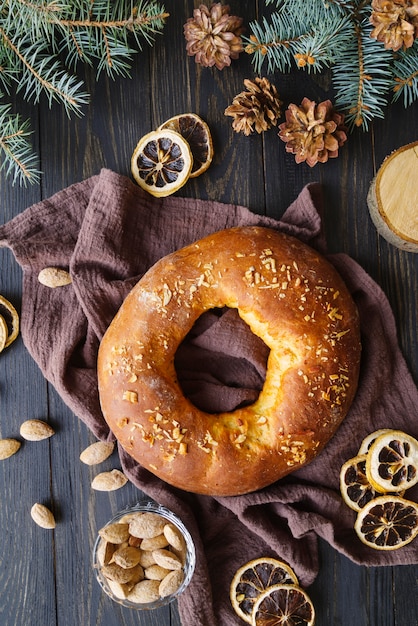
<point>108,232</point>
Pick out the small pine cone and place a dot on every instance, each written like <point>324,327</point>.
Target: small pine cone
<point>258,108</point>
<point>213,36</point>
<point>395,22</point>
<point>313,132</point>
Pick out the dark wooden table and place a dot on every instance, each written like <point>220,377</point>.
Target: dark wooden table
<point>46,577</point>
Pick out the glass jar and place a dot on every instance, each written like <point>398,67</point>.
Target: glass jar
<point>159,590</point>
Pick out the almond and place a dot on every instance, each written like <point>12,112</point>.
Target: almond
<point>147,525</point>
<point>174,536</point>
<point>154,543</point>
<point>115,533</point>
<point>156,572</point>
<point>42,516</point>
<point>97,452</point>
<point>171,583</point>
<point>109,481</point>
<point>166,559</point>
<point>127,556</point>
<point>115,572</point>
<point>54,277</point>
<point>36,430</point>
<point>145,591</point>
<point>8,447</point>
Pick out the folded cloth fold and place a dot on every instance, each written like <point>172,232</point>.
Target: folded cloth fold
<point>107,232</point>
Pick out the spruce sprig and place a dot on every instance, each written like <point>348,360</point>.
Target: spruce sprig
<point>318,34</point>
<point>18,160</point>
<point>35,37</point>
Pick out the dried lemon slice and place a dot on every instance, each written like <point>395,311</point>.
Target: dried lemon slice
<point>283,605</point>
<point>162,162</point>
<point>371,438</point>
<point>197,134</point>
<point>387,522</point>
<point>392,462</point>
<point>4,333</point>
<point>14,320</point>
<point>254,578</point>
<point>354,485</point>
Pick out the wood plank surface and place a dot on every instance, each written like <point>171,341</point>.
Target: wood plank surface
<point>46,578</point>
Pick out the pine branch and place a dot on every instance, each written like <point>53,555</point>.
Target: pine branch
<point>318,34</point>
<point>103,35</point>
<point>41,74</point>
<point>405,75</point>
<point>361,79</point>
<point>18,160</point>
<point>35,35</point>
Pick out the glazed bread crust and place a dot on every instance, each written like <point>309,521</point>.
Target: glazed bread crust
<point>293,299</point>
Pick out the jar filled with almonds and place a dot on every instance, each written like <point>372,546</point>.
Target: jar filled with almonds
<point>144,557</point>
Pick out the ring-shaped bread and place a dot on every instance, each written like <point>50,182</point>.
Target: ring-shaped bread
<point>292,298</point>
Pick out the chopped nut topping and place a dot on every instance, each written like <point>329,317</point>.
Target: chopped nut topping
<point>130,396</point>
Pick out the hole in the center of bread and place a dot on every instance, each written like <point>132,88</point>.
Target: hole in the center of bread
<point>221,365</point>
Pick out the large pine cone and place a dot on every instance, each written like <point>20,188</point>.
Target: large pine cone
<point>257,109</point>
<point>395,22</point>
<point>313,132</point>
<point>213,36</point>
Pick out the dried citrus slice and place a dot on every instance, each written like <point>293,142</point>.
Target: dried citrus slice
<point>254,578</point>
<point>8,306</point>
<point>197,134</point>
<point>371,438</point>
<point>354,485</point>
<point>392,462</point>
<point>4,332</point>
<point>162,162</point>
<point>283,605</point>
<point>387,522</point>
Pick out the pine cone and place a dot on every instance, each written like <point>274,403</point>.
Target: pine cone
<point>256,109</point>
<point>313,132</point>
<point>213,36</point>
<point>395,22</point>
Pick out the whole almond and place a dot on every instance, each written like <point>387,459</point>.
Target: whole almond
<point>115,533</point>
<point>42,516</point>
<point>36,430</point>
<point>8,447</point>
<point>147,559</point>
<point>154,543</point>
<point>127,556</point>
<point>147,525</point>
<point>54,277</point>
<point>97,452</point>
<point>166,559</point>
<point>105,552</point>
<point>174,536</point>
<point>109,481</point>
<point>145,591</point>
<point>115,572</point>
<point>156,572</point>
<point>119,591</point>
<point>171,583</point>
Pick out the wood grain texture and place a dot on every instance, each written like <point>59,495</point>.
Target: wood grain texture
<point>46,578</point>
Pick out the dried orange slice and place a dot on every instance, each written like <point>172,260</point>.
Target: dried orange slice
<point>8,306</point>
<point>161,162</point>
<point>387,522</point>
<point>392,462</point>
<point>283,605</point>
<point>253,578</point>
<point>197,134</point>
<point>4,332</point>
<point>354,485</point>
